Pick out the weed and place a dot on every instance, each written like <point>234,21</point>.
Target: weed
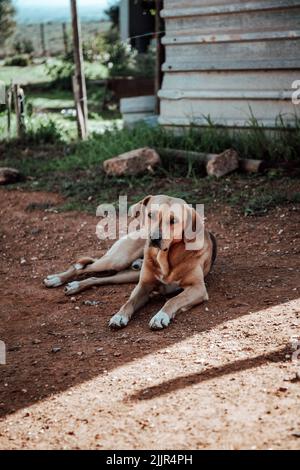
<point>20,60</point>
<point>45,132</point>
<point>75,169</point>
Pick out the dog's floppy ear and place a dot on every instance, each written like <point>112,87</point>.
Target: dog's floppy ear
<point>193,232</point>
<point>138,209</point>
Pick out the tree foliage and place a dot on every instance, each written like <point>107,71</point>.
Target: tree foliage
<point>7,23</point>
<point>113,13</point>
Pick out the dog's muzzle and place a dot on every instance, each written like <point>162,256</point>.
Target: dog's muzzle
<point>155,241</point>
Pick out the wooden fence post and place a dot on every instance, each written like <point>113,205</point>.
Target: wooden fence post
<point>19,100</point>
<point>160,52</point>
<point>43,40</point>
<point>65,38</point>
<point>80,86</point>
<point>9,105</point>
<point>80,117</point>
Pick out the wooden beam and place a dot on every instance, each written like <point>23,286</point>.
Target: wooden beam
<point>9,106</point>
<point>160,52</point>
<point>19,101</point>
<point>65,38</point>
<point>201,159</point>
<point>80,85</point>
<point>43,39</point>
<point>247,165</point>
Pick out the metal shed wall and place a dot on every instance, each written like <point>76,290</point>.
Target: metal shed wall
<point>230,59</point>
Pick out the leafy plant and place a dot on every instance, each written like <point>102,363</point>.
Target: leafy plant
<point>61,72</point>
<point>23,46</point>
<point>7,23</point>
<point>45,132</point>
<point>120,58</point>
<point>18,61</point>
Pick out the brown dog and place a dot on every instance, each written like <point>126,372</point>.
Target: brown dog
<point>174,260</point>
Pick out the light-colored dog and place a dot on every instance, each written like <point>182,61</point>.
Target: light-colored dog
<point>160,251</point>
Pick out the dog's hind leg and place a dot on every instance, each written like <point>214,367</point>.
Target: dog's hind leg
<point>122,277</point>
<point>56,280</point>
<point>118,258</point>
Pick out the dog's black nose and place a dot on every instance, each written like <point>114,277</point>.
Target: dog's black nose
<point>155,241</point>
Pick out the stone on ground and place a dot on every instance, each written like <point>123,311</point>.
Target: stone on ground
<point>222,164</point>
<point>9,175</point>
<point>132,163</point>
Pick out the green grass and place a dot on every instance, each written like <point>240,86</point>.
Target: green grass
<point>33,74</point>
<point>75,169</point>
<point>255,143</point>
<point>53,33</point>
<point>56,99</point>
<point>37,73</point>
<point>66,125</point>
<point>41,96</point>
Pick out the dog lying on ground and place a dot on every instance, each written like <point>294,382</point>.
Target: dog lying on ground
<point>153,261</point>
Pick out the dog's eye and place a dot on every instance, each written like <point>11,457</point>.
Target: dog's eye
<point>173,221</point>
<point>149,215</point>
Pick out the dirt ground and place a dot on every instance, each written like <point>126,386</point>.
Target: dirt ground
<point>221,376</point>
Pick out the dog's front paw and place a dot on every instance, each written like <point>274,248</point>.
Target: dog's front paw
<point>118,321</point>
<point>159,321</point>
<point>72,288</point>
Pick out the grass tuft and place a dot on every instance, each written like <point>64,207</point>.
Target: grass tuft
<point>75,169</point>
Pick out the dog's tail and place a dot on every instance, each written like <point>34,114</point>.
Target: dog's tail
<point>214,250</point>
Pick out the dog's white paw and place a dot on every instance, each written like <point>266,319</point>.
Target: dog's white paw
<point>159,321</point>
<point>78,266</point>
<point>53,281</point>
<point>72,288</point>
<point>118,321</point>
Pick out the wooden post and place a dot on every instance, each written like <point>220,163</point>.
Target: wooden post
<point>65,38</point>
<point>160,52</point>
<point>79,84</point>
<point>43,40</point>
<point>19,101</point>
<point>80,117</point>
<point>9,105</point>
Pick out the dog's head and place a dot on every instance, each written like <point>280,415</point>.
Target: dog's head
<point>168,220</point>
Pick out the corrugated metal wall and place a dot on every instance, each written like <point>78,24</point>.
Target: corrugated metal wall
<point>227,59</point>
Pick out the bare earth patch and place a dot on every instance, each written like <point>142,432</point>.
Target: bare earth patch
<point>220,376</point>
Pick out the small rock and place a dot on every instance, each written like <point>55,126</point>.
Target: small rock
<point>9,176</point>
<point>132,163</point>
<point>296,378</point>
<point>200,361</point>
<point>222,164</point>
<point>14,348</point>
<point>296,434</point>
<point>91,303</point>
<point>56,350</point>
<point>35,231</point>
<point>23,261</point>
<point>36,341</point>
